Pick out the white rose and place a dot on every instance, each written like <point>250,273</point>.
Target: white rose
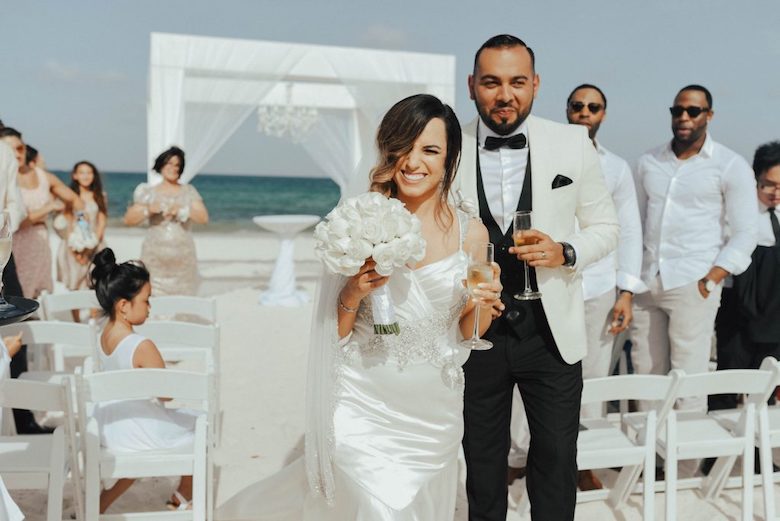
<point>384,269</point>
<point>349,266</point>
<point>321,232</point>
<point>349,213</point>
<point>402,249</point>
<point>383,254</point>
<point>359,249</point>
<point>372,230</point>
<point>338,227</point>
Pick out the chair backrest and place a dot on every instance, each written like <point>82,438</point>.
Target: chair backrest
<point>50,332</point>
<point>772,366</point>
<point>139,384</point>
<point>53,303</point>
<point>172,305</point>
<point>180,334</point>
<point>36,396</point>
<point>629,387</point>
<point>731,381</point>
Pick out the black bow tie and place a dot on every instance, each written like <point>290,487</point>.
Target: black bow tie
<point>494,143</point>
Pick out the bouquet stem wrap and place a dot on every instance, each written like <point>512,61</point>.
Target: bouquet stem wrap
<point>384,312</point>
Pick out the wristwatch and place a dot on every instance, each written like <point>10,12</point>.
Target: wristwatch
<point>709,285</point>
<point>569,254</point>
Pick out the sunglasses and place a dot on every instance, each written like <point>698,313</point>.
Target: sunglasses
<point>577,106</point>
<point>693,112</point>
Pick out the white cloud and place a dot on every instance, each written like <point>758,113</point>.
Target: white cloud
<point>54,70</point>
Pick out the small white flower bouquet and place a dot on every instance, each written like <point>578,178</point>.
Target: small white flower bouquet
<point>370,225</point>
<point>82,237</point>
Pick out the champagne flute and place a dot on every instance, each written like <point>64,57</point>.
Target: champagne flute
<point>480,270</point>
<point>520,223</point>
<point>5,254</point>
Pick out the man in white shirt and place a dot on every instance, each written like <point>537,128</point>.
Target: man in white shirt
<point>688,190</point>
<point>746,327</point>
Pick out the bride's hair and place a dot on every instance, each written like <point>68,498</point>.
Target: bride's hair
<point>400,128</point>
<point>113,282</point>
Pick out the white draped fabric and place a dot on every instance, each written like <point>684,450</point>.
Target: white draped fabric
<point>201,89</point>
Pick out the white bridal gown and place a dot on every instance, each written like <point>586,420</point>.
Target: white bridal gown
<point>396,424</point>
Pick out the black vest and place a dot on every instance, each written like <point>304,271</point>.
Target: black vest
<point>758,291</point>
<point>522,319</point>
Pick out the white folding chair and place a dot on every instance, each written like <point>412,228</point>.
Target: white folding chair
<point>767,436</point>
<point>175,306</point>
<point>42,461</point>
<point>605,445</point>
<point>696,435</point>
<point>58,307</point>
<point>101,463</point>
<point>82,338</point>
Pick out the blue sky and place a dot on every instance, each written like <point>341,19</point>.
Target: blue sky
<point>74,74</point>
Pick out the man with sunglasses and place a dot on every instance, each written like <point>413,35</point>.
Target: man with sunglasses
<point>746,327</point>
<point>688,189</point>
<point>608,285</point>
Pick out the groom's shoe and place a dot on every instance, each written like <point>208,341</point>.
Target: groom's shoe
<point>587,480</point>
<point>513,473</point>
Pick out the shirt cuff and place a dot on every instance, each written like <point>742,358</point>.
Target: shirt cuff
<point>626,281</point>
<point>732,261</point>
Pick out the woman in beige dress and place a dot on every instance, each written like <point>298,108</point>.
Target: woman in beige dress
<point>168,251</point>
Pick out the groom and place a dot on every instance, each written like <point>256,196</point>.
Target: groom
<point>514,161</point>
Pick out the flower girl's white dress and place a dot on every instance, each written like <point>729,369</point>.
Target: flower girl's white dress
<point>139,425</point>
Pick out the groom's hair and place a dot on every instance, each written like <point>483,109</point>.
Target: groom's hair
<point>505,41</point>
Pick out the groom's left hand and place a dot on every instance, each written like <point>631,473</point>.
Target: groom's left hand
<point>542,252</point>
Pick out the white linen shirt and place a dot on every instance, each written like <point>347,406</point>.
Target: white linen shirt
<point>686,206</point>
<point>503,174</point>
<point>10,197</point>
<point>766,237</point>
<point>623,267</point>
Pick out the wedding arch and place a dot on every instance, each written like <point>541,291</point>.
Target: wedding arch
<point>202,89</point>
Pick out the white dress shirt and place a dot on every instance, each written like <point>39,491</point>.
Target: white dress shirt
<point>503,174</point>
<point>686,205</point>
<point>623,267</point>
<point>766,236</point>
<point>10,196</point>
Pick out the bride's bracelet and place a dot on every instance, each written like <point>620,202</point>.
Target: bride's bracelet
<point>345,308</point>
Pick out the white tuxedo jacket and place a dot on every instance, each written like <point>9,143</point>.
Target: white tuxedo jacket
<point>558,149</point>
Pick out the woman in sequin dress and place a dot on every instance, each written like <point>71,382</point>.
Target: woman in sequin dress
<point>168,251</point>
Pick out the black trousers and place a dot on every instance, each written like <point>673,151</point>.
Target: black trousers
<point>734,347</point>
<point>551,391</point>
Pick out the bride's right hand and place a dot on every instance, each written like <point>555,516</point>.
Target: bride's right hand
<point>361,284</point>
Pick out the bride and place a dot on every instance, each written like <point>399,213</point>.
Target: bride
<point>384,417</point>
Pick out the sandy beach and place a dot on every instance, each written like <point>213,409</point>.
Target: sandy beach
<point>263,381</point>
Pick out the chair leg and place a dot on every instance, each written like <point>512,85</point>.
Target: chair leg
<point>719,475</point>
<point>648,482</point>
<point>624,485</point>
<point>671,467</point>
<point>56,477</point>
<point>748,463</point>
<point>765,456</point>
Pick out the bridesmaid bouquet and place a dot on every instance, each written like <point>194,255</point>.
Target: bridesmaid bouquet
<point>82,237</point>
<point>375,226</point>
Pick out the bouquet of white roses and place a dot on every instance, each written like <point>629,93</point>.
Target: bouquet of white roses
<point>370,225</point>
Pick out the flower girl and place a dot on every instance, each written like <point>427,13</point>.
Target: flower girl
<point>134,425</point>
<point>81,232</point>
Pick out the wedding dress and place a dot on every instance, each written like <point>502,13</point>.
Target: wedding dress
<point>385,419</point>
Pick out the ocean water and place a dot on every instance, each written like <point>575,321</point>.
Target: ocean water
<point>232,201</point>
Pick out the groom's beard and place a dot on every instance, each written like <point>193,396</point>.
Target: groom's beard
<point>504,127</point>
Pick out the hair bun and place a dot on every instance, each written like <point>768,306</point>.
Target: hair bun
<point>104,262</point>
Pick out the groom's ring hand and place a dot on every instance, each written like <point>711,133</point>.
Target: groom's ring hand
<point>540,251</point>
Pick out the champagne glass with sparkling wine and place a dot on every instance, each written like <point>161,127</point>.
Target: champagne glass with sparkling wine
<point>522,222</point>
<point>5,254</point>
<point>480,270</point>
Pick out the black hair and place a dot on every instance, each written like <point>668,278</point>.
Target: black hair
<point>699,88</point>
<point>166,156</point>
<point>113,282</point>
<point>588,86</point>
<point>504,41</point>
<point>30,154</point>
<point>767,156</point>
<point>2,125</point>
<point>8,131</point>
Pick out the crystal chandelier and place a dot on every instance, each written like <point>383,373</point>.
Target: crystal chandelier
<point>286,120</point>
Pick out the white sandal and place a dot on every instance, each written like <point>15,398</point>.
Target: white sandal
<point>184,504</point>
